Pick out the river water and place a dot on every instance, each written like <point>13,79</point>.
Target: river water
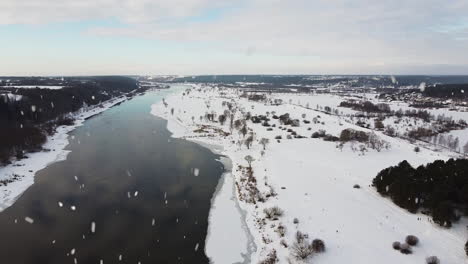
<point>127,193</point>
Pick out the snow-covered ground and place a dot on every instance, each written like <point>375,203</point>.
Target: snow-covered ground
<point>311,180</point>
<point>23,171</point>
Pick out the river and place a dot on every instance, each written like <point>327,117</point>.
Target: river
<point>127,192</point>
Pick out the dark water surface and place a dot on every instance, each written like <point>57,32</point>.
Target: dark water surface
<point>120,152</point>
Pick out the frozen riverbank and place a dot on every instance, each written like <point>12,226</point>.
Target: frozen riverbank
<point>20,174</point>
<point>229,239</point>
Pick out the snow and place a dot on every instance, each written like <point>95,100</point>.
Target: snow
<point>35,162</point>
<point>221,232</point>
<point>314,183</point>
<point>52,87</point>
<point>93,227</point>
<point>11,97</point>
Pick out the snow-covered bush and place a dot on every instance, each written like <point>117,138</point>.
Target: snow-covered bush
<point>396,245</point>
<point>405,249</point>
<point>318,245</point>
<point>412,240</point>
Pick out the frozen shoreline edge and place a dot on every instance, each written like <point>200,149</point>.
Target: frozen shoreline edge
<point>227,164</point>
<point>38,161</point>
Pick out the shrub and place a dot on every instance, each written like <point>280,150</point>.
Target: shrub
<point>271,258</point>
<point>417,149</point>
<point>396,245</point>
<point>301,250</point>
<point>405,249</point>
<point>281,230</point>
<point>283,243</point>
<point>412,240</point>
<point>300,236</point>
<point>296,221</point>
<point>273,212</point>
<point>329,137</point>
<point>350,134</point>
<point>318,245</point>
<point>432,260</point>
<point>356,186</point>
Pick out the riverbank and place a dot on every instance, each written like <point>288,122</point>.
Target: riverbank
<point>310,180</point>
<point>19,175</point>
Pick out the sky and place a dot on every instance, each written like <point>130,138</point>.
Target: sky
<point>191,37</point>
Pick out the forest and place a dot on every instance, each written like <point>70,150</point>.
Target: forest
<point>459,91</point>
<point>28,115</point>
<point>438,189</point>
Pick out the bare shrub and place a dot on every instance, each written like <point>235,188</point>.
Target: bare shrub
<point>284,243</point>
<point>271,258</point>
<point>412,240</point>
<point>273,212</point>
<point>281,230</point>
<point>300,236</point>
<point>302,250</point>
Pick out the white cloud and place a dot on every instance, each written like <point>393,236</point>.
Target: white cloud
<point>322,34</point>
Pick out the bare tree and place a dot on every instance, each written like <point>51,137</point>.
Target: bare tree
<point>465,148</point>
<point>249,160</point>
<point>248,141</point>
<point>264,142</point>
<point>238,124</point>
<point>243,130</point>
<point>222,119</point>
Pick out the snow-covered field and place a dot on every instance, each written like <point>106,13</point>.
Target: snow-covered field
<point>309,179</point>
<point>23,171</point>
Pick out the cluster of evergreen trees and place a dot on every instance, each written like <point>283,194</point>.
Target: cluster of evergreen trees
<point>439,189</point>
<point>459,91</point>
<point>26,122</point>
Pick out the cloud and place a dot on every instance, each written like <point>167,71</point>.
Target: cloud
<point>125,11</point>
<point>320,34</point>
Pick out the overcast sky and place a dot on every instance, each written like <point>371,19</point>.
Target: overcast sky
<point>89,37</point>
